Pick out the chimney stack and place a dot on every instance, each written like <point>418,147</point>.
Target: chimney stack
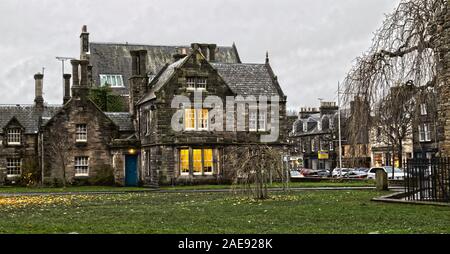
<point>84,73</point>
<point>80,87</point>
<point>207,50</point>
<point>90,79</point>
<point>66,88</point>
<point>75,75</point>
<point>138,82</point>
<point>38,87</point>
<point>138,62</point>
<point>84,43</point>
<point>181,53</point>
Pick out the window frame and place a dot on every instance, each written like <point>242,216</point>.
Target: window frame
<point>262,114</point>
<point>203,121</point>
<point>81,134</point>
<point>113,80</point>
<point>14,134</point>
<point>189,159</point>
<point>423,109</point>
<point>148,122</point>
<point>199,119</point>
<point>194,83</point>
<point>14,164</point>
<point>191,119</point>
<point>80,165</point>
<point>253,120</point>
<point>182,172</point>
<point>424,132</point>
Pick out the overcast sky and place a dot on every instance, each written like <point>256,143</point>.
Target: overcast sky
<point>311,43</point>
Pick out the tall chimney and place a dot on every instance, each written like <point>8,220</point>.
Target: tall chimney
<point>75,75</point>
<point>138,62</point>
<point>138,82</point>
<point>66,88</point>
<point>38,87</point>
<point>80,88</point>
<point>89,71</point>
<point>212,52</point>
<point>84,43</point>
<point>84,73</point>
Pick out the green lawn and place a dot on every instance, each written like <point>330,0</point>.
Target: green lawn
<point>190,187</point>
<point>296,212</point>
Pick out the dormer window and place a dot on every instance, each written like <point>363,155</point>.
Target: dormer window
<point>201,83</point>
<point>81,133</point>
<point>111,80</point>
<point>14,136</point>
<point>196,83</point>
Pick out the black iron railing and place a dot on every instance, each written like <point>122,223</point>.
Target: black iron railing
<point>428,179</point>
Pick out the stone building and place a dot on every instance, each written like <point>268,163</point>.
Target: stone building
<point>425,131</point>
<point>80,143</point>
<point>314,136</point>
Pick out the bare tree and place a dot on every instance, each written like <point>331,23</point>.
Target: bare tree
<point>253,166</point>
<point>407,47</point>
<point>60,147</point>
<point>394,118</point>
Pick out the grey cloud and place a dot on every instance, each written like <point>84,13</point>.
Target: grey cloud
<point>311,43</point>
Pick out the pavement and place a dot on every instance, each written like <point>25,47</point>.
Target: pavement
<point>18,194</point>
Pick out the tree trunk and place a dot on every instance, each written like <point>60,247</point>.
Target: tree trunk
<point>443,79</point>
<point>400,154</point>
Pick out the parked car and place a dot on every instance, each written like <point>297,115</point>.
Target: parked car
<point>362,170</point>
<point>309,172</point>
<point>295,174</point>
<point>398,173</point>
<point>354,174</point>
<point>339,172</point>
<point>323,173</point>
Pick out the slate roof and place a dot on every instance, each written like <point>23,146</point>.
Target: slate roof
<point>122,119</point>
<point>248,79</point>
<point>114,58</point>
<point>162,78</point>
<point>312,124</point>
<point>26,115</point>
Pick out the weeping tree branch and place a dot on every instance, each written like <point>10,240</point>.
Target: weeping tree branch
<point>404,50</point>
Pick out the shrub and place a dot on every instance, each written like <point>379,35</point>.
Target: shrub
<point>104,176</point>
<point>31,175</point>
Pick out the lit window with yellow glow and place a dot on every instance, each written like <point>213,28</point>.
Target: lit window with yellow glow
<point>201,160</point>
<point>189,119</point>
<point>208,161</point>
<point>202,119</point>
<point>184,161</point>
<point>197,161</point>
<point>196,119</point>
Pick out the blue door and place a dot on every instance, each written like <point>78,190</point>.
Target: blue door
<point>131,177</point>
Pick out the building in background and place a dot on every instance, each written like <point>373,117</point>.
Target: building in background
<point>314,136</point>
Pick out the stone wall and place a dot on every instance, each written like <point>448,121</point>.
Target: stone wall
<point>100,132</point>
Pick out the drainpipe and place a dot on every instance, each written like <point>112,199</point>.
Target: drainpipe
<point>42,158</point>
